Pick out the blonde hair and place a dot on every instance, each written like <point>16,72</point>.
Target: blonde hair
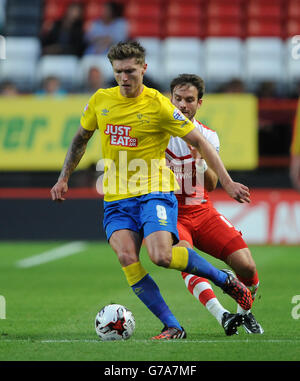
<point>124,50</point>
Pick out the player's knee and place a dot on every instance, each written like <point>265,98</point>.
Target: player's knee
<point>126,256</point>
<point>160,261</point>
<point>160,258</point>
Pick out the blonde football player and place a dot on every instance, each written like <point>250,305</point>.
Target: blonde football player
<point>135,123</point>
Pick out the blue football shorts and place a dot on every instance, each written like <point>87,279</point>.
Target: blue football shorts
<point>143,214</point>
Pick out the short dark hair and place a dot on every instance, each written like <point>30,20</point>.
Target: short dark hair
<point>116,9</point>
<point>129,49</point>
<point>189,79</point>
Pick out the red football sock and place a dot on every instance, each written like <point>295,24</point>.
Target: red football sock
<point>199,287</point>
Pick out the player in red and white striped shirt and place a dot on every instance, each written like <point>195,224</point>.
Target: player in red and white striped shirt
<point>199,223</point>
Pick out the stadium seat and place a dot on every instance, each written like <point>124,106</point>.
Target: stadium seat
<point>224,47</point>
<point>182,55</point>
<point>23,19</point>
<point>176,47</point>
<point>293,9</point>
<point>144,28</point>
<point>265,9</point>
<point>93,11</point>
<point>223,59</point>
<point>173,68</point>
<point>293,27</point>
<point>53,11</point>
<point>225,9</point>
<point>220,71</point>
<point>179,27</point>
<point>153,48</point>
<point>264,59</point>
<point>259,27</point>
<point>260,53</point>
<point>217,27</point>
<point>65,67</point>
<point>143,10</point>
<point>20,71</point>
<point>20,11</point>
<point>23,48</point>
<point>152,45</point>
<point>185,9</point>
<point>22,29</point>
<point>264,47</point>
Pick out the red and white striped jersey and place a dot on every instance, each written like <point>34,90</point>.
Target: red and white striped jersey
<point>180,160</point>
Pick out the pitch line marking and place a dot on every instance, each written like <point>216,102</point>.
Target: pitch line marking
<point>53,254</point>
<point>50,341</point>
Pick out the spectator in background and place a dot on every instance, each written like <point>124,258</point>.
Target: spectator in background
<point>8,89</point>
<point>66,35</point>
<point>233,86</point>
<point>95,80</point>
<point>267,89</point>
<point>108,30</point>
<point>51,86</point>
<point>295,152</point>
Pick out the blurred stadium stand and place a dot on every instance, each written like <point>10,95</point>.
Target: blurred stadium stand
<point>224,40</point>
<point>227,42</point>
<point>241,39</point>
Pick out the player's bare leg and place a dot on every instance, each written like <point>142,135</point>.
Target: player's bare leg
<point>127,244</point>
<point>242,263</point>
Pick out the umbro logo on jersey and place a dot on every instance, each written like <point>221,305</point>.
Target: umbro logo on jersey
<point>104,112</point>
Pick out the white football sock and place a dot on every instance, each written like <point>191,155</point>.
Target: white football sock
<point>216,309</point>
<point>241,311</point>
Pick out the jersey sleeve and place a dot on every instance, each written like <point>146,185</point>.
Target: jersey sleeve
<point>88,118</point>
<point>214,140</point>
<point>173,121</point>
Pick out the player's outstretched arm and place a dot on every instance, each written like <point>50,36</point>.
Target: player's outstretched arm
<point>75,152</point>
<point>237,191</point>
<point>210,177</point>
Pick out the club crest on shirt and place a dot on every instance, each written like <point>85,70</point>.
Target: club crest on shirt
<point>119,136</point>
<point>178,115</point>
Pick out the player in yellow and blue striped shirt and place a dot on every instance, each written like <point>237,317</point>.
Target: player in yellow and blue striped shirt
<point>135,124</point>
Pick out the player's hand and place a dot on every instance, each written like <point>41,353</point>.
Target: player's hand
<point>194,152</point>
<point>238,191</point>
<point>59,190</point>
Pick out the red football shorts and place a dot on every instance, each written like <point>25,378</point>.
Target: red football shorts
<point>206,229</point>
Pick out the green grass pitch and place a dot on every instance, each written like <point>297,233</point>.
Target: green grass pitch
<point>50,309</point>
